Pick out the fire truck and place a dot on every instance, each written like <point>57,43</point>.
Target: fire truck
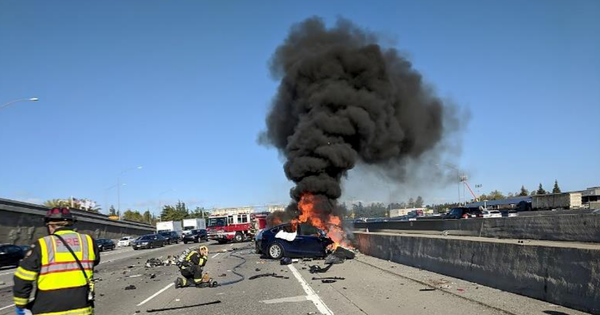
<point>234,224</point>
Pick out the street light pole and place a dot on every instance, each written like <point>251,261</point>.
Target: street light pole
<point>32,99</point>
<point>119,185</point>
<point>106,194</point>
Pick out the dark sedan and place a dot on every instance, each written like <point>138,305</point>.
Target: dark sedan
<point>105,244</point>
<point>195,236</point>
<point>11,255</point>
<point>149,241</point>
<point>172,237</point>
<point>308,242</point>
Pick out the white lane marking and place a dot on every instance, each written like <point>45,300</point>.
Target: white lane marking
<point>156,294</point>
<point>300,298</point>
<point>311,295</point>
<point>3,308</point>
<point>8,273</point>
<point>217,254</point>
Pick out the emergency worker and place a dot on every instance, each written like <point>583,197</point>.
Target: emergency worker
<point>64,283</point>
<point>191,269</point>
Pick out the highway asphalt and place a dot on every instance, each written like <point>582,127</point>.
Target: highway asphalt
<point>371,286</point>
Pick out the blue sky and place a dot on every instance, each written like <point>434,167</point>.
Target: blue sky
<point>182,88</point>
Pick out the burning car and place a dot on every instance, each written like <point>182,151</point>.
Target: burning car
<point>283,241</point>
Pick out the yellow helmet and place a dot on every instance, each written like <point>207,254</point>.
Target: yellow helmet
<point>204,248</point>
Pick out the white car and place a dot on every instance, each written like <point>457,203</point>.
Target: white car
<point>492,214</point>
<point>126,241</point>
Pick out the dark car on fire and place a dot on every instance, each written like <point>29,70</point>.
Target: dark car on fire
<point>309,242</point>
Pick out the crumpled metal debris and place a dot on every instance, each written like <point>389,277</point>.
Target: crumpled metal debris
<point>339,256</point>
<point>130,287</point>
<point>319,269</point>
<point>154,262</point>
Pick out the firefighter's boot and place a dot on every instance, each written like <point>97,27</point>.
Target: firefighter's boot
<point>178,283</point>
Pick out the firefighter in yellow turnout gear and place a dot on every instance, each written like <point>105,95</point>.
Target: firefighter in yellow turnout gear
<point>64,283</point>
<point>191,270</point>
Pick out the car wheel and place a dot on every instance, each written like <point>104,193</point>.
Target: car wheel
<point>135,248</point>
<point>238,237</point>
<point>184,242</point>
<point>275,251</point>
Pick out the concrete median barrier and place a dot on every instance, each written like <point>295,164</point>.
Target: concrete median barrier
<point>558,272</point>
<point>22,223</point>
<point>575,227</point>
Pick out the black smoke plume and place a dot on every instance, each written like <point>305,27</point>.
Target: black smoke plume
<point>344,99</point>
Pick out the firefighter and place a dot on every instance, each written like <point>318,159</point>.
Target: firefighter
<point>191,269</point>
<point>63,287</point>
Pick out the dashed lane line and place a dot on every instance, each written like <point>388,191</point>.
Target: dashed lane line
<point>311,295</point>
<point>215,255</point>
<point>3,308</point>
<point>156,294</point>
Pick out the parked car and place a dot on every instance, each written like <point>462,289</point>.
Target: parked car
<point>11,255</point>
<point>309,242</point>
<point>171,236</point>
<point>463,213</point>
<point>105,244</point>
<point>125,241</point>
<point>195,236</point>
<point>149,241</point>
<point>492,214</point>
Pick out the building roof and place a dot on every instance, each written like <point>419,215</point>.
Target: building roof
<point>507,201</point>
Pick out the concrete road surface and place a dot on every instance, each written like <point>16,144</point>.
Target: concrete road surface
<point>371,286</point>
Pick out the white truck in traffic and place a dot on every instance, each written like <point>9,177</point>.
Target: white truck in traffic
<point>193,224</point>
<point>168,226</point>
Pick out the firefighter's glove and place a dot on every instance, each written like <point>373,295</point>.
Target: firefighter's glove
<point>19,311</point>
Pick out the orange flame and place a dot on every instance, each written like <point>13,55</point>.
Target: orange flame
<point>332,227</point>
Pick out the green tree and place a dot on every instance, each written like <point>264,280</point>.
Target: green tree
<point>496,195</point>
<point>57,203</point>
<point>174,213</point>
<point>411,203</point>
<point>419,202</point>
<point>133,215</point>
<point>556,189</point>
<point>540,190</point>
<point>112,210</point>
<point>524,192</point>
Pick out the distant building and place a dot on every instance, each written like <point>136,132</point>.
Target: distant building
<point>406,211</point>
<point>503,204</point>
<point>590,198</point>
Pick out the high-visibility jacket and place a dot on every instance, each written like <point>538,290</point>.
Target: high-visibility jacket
<point>62,288</point>
<point>195,258</point>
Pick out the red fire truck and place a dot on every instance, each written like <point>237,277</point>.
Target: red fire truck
<point>234,225</point>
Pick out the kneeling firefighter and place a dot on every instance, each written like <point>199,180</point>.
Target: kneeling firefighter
<point>191,270</point>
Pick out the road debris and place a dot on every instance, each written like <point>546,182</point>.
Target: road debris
<point>329,278</point>
<point>285,261</point>
<point>153,262</point>
<point>328,281</point>
<point>319,269</point>
<point>130,287</point>
<point>257,269</point>
<point>134,276</point>
<point>427,290</point>
<point>274,275</point>
<point>223,275</point>
<point>182,307</point>
<point>339,255</point>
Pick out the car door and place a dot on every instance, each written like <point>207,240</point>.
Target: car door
<point>308,242</point>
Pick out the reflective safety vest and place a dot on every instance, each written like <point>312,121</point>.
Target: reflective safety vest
<point>59,268</point>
